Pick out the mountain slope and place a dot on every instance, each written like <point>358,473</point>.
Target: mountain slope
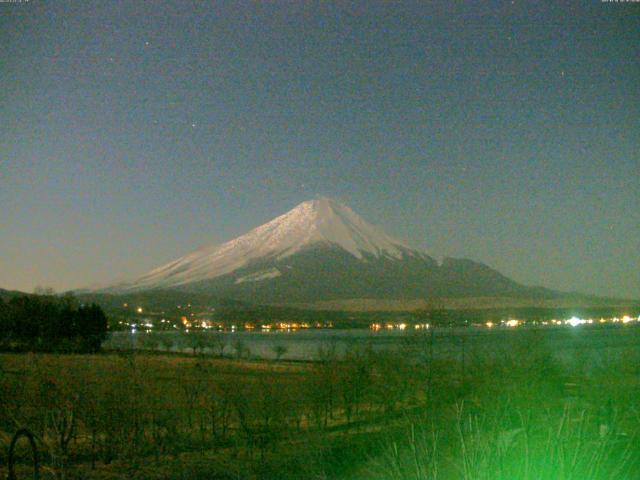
<point>321,273</point>
<point>322,250</point>
<point>315,222</point>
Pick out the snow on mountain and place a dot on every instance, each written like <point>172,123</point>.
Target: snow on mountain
<point>320,221</point>
<point>262,275</point>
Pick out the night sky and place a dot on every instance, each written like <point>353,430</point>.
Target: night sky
<point>507,132</point>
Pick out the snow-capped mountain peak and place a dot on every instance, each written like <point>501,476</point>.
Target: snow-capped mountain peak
<point>318,221</point>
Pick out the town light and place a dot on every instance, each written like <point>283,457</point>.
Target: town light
<point>575,321</point>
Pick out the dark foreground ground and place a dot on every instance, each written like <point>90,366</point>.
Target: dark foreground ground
<point>554,404</point>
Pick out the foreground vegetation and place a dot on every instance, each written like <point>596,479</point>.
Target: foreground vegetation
<point>514,412</point>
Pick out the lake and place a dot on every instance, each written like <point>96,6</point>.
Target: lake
<point>588,342</point>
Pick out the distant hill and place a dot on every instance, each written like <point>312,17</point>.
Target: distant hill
<point>7,295</point>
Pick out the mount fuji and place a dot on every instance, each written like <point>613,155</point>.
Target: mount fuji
<point>322,250</point>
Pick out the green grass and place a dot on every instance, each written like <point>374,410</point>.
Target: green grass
<point>512,412</point>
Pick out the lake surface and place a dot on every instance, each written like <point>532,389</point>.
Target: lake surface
<point>589,343</point>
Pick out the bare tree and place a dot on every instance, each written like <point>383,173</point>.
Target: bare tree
<point>435,315</point>
<point>219,343</point>
<point>279,351</point>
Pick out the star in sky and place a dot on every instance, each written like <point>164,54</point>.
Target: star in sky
<point>429,129</point>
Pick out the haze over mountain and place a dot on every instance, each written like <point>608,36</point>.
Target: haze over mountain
<point>322,250</point>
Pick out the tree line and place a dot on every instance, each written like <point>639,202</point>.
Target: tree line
<point>51,323</point>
